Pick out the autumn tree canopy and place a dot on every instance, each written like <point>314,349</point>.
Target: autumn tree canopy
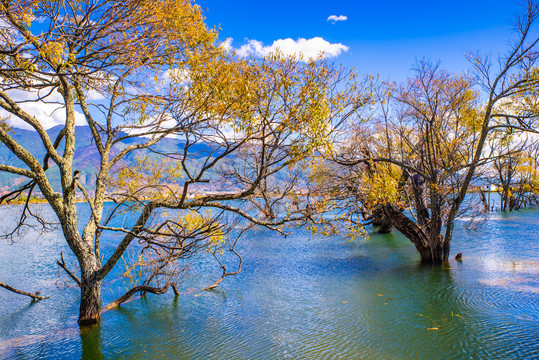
<point>415,155</point>
<point>139,73</point>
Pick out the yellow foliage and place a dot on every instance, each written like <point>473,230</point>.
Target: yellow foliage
<point>381,187</point>
<point>197,224</point>
<point>54,51</point>
<point>149,178</point>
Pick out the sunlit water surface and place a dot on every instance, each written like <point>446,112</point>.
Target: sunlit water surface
<point>299,297</point>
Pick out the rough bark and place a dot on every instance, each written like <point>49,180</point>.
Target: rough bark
<point>379,218</point>
<point>386,226</point>
<point>90,302</point>
<point>429,245</point>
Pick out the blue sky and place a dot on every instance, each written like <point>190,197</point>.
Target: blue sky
<point>382,37</point>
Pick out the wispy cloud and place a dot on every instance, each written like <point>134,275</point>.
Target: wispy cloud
<point>306,48</point>
<point>335,18</point>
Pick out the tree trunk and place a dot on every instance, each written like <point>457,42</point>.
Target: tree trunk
<point>429,246</point>
<point>90,301</point>
<point>430,250</point>
<point>436,245</point>
<point>90,265</point>
<point>386,226</point>
<point>504,198</point>
<point>379,218</point>
<point>90,291</point>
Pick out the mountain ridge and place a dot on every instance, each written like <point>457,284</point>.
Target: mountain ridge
<point>86,158</point>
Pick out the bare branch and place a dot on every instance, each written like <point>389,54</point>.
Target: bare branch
<point>63,265</point>
<point>145,289</point>
<point>34,296</point>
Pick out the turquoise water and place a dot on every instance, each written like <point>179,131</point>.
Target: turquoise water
<point>299,297</point>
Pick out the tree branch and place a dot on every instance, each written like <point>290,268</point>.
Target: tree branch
<point>225,273</point>
<point>63,266</point>
<point>33,296</point>
<point>142,288</point>
<point>17,171</point>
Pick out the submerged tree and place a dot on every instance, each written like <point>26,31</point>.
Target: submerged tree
<point>431,135</point>
<point>420,140</point>
<point>157,72</point>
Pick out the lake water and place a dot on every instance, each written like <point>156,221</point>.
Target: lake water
<point>299,297</point>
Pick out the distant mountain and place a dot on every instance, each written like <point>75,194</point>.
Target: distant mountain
<point>86,155</point>
<point>87,159</point>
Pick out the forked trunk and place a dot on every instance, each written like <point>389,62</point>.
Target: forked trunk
<point>386,226</point>
<point>429,246</point>
<point>430,250</point>
<point>90,264</point>
<point>380,219</point>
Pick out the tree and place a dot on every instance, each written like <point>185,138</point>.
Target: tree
<point>432,133</point>
<point>245,124</point>
<point>414,154</point>
<point>513,170</point>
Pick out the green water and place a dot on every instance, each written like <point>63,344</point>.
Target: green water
<point>300,297</point>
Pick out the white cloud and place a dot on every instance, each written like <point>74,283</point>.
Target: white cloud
<point>153,125</point>
<point>227,44</point>
<point>180,76</point>
<point>335,18</point>
<point>94,95</point>
<point>253,47</point>
<point>49,112</point>
<point>308,48</point>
